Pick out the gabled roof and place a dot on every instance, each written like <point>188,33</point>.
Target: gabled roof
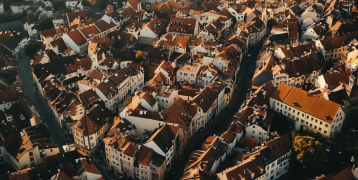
<point>304,101</point>
<point>77,37</point>
<point>182,25</point>
<point>205,99</point>
<point>164,137</point>
<point>103,25</point>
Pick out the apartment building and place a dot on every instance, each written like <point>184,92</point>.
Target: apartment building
<point>307,110</point>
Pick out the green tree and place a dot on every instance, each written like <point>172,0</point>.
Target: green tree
<point>101,4</point>
<point>139,56</point>
<point>58,4</point>
<point>310,151</point>
<point>271,22</point>
<point>32,47</point>
<point>31,17</point>
<point>45,24</point>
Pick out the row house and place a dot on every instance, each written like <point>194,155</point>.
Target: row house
<point>155,28</point>
<point>341,47</point>
<point>149,164</point>
<point>189,72</point>
<point>183,27</point>
<point>256,30</point>
<point>307,110</point>
<point>121,150</point>
<point>78,39</point>
<point>290,26</point>
<point>90,130</point>
<point>206,102</point>
<point>164,141</point>
<point>214,29</point>
<point>300,71</point>
<point>28,148</point>
<point>339,87</point>
<point>206,74</point>
<point>270,161</point>
<point>239,11</point>
<point>212,154</point>
<point>182,114</point>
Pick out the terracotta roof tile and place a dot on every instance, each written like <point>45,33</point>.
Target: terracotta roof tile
<point>77,37</point>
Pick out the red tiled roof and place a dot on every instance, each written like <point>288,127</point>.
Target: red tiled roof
<point>77,37</point>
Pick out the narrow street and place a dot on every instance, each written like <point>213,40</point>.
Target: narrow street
<point>25,75</point>
<point>224,119</point>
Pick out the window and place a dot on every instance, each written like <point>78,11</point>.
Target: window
<point>253,132</point>
<point>192,75</point>
<point>326,125</point>
<point>325,132</point>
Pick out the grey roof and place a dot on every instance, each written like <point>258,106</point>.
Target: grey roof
<point>12,26</point>
<point>146,40</point>
<point>95,13</point>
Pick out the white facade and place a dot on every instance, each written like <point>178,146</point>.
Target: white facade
<point>309,121</point>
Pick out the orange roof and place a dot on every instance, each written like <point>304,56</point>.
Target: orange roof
<point>281,92</point>
<point>77,37</point>
<point>311,104</point>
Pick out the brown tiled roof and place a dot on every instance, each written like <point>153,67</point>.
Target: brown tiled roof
<point>345,174</point>
<point>109,9</point>
<point>244,170</point>
<point>182,25</point>
<point>62,175</point>
<point>302,100</point>
<point>205,99</point>
<point>77,37</point>
<point>248,142</point>
<point>73,15</point>
<point>89,167</point>
<point>336,78</point>
<point>86,126</point>
<point>89,31</point>
<point>49,32</point>
<point>8,96</point>
<point>133,3</point>
<point>88,97</point>
<point>144,156</point>
<point>109,62</point>
<point>179,113</point>
<point>103,25</point>
<point>119,76</point>
<point>60,44</point>
<point>279,146</point>
<point>281,92</point>
<point>157,25</point>
<point>96,75</point>
<point>107,87</point>
<point>164,137</point>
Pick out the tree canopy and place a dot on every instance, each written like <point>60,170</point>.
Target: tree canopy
<point>101,4</point>
<point>45,24</point>
<point>139,56</point>
<point>271,22</point>
<point>310,151</point>
<point>32,47</point>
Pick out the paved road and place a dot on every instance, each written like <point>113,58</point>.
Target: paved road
<point>25,75</point>
<point>223,121</point>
